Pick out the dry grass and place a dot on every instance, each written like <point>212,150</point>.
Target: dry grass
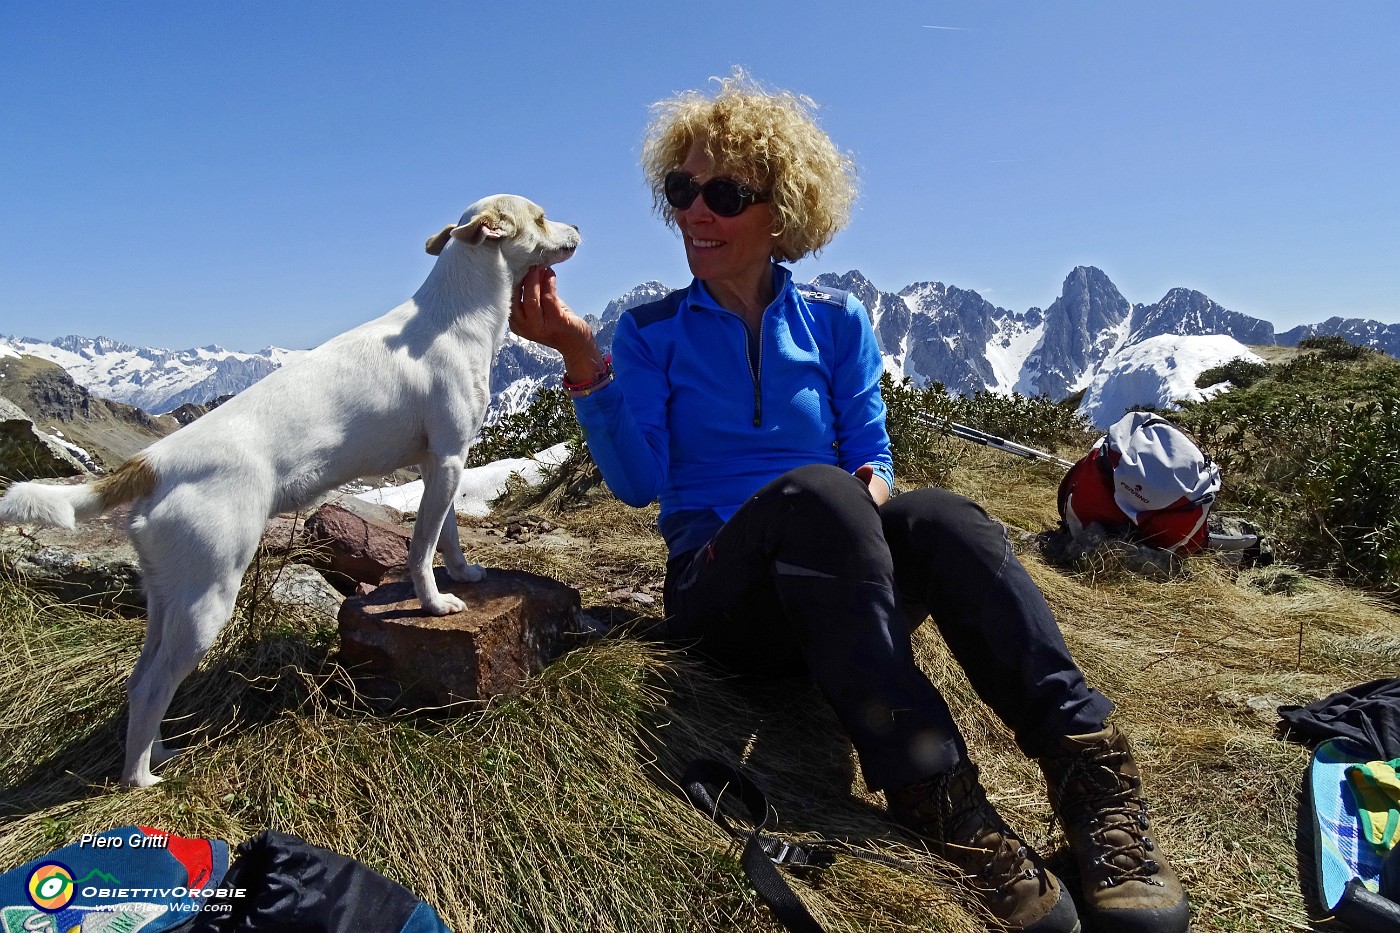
<point>557,809</point>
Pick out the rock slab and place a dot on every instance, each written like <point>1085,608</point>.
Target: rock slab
<point>360,542</point>
<point>514,624</point>
<point>28,453</point>
<point>93,564</point>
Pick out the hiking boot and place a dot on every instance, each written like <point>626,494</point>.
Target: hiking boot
<point>1095,790</point>
<point>951,810</point>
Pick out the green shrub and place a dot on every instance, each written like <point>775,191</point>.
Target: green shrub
<point>923,450</point>
<point>911,418</point>
<point>1239,372</point>
<point>1357,479</point>
<point>1035,421</point>
<point>1333,348</point>
<point>1313,454</point>
<point>546,421</point>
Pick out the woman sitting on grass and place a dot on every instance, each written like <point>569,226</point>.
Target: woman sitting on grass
<point>750,406</point>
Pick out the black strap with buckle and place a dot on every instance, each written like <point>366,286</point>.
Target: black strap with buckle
<point>704,782</point>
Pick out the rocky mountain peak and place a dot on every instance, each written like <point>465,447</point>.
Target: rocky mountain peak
<point>1185,311</point>
<point>640,295</point>
<point>1087,286</point>
<point>927,294</point>
<point>1091,275</point>
<point>92,346</point>
<point>853,282</point>
<point>1081,328</point>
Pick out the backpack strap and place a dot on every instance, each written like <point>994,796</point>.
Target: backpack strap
<point>1104,460</point>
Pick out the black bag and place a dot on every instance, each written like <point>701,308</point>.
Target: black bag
<point>293,885</point>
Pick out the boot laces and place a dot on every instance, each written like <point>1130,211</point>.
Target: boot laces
<point>1094,791</point>
<point>991,844</point>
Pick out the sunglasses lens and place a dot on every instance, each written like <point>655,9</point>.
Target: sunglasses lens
<point>681,190</point>
<point>724,197</point>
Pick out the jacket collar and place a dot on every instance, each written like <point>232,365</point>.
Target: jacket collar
<point>699,296</point>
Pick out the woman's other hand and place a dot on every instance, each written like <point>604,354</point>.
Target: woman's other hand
<point>879,489</point>
<point>538,314</point>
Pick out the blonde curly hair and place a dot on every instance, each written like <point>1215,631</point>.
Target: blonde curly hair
<point>768,140</point>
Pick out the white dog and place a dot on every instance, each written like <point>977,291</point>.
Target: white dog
<point>409,388</point>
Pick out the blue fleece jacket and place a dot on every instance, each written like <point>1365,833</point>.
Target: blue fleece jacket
<point>703,412</point>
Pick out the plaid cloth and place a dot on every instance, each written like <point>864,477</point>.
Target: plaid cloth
<point>1342,852</point>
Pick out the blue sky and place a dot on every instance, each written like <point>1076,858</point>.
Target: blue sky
<point>256,173</point>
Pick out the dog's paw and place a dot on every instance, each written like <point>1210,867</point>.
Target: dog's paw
<point>146,779</point>
<point>467,573</point>
<point>443,605</point>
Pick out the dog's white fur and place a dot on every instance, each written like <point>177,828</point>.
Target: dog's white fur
<point>411,387</point>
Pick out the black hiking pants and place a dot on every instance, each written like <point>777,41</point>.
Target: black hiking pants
<point>810,577</point>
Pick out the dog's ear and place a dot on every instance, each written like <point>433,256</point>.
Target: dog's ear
<point>488,225</point>
<point>438,240</point>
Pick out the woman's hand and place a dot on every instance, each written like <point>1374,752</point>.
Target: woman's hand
<point>537,313</point>
<point>879,489</point>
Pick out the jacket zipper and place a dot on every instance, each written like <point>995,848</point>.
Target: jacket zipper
<point>755,371</point>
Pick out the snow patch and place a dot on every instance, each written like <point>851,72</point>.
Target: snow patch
<point>1008,350</point>
<point>479,485</point>
<point>1159,372</point>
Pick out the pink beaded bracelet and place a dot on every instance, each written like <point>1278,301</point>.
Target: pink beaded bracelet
<point>584,389</point>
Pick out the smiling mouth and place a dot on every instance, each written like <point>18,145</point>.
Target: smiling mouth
<point>705,244</point>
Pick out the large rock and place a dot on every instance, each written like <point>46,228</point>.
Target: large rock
<point>300,586</point>
<point>94,564</point>
<point>28,453</point>
<point>358,542</point>
<point>514,624</point>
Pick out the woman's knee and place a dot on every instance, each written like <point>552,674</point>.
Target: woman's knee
<point>930,529</point>
<point>825,486</point>
<point>941,511</point>
<point>817,478</point>
<point>828,492</point>
<point>826,518</point>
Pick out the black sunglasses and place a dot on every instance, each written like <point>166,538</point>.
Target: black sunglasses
<point>725,196</point>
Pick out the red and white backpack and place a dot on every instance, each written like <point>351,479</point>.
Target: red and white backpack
<point>1146,479</point>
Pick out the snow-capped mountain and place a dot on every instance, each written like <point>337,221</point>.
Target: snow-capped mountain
<point>152,379</point>
<point>1184,311</point>
<point>933,332</point>
<point>1385,337</point>
<point>1089,338</point>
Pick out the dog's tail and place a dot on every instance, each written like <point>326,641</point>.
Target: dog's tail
<point>65,506</point>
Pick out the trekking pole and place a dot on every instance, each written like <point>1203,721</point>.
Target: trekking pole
<point>991,440</point>
<point>1216,541</point>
